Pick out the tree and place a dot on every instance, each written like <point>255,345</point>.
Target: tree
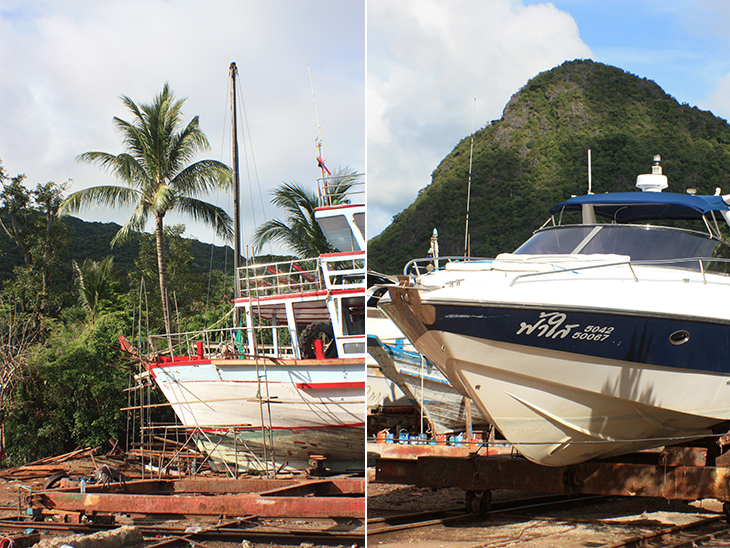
<point>36,229</point>
<point>48,199</point>
<point>15,200</point>
<point>158,175</point>
<point>186,288</point>
<point>300,232</point>
<point>18,334</point>
<point>93,279</point>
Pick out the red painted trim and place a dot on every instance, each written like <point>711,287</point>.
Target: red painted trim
<point>344,254</point>
<point>293,428</point>
<point>282,298</point>
<point>326,385</point>
<point>179,360</point>
<point>337,207</point>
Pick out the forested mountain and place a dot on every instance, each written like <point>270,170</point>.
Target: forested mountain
<point>535,156</point>
<point>90,240</point>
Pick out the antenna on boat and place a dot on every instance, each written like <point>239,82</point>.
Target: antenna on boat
<point>236,190</point>
<point>654,181</point>
<point>468,191</point>
<point>590,174</point>
<point>433,251</point>
<point>320,159</point>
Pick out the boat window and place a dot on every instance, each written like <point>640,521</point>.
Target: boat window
<point>338,233</point>
<point>360,222</point>
<point>555,240</point>
<point>640,242</point>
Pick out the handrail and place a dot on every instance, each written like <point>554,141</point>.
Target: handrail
<point>280,278</point>
<point>328,195</point>
<point>222,343</point>
<point>631,264</point>
<point>435,263</point>
<point>344,270</point>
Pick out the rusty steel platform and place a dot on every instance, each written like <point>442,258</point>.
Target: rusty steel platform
<point>413,451</point>
<point>271,498</point>
<point>675,473</point>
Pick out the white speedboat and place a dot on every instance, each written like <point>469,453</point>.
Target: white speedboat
<point>594,339</point>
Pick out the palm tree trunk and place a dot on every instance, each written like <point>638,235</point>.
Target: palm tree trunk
<point>163,273</point>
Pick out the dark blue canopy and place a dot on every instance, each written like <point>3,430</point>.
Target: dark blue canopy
<point>625,207</point>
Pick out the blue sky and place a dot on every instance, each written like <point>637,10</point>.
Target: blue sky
<point>64,65</point>
<point>682,45</point>
<point>429,60</point>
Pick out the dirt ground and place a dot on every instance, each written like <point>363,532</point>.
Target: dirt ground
<point>14,483</point>
<point>600,524</point>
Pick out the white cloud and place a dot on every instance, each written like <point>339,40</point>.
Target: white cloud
<point>427,62</point>
<point>65,64</point>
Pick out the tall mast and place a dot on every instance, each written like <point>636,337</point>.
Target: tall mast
<point>324,187</point>
<point>467,251</point>
<point>236,190</point>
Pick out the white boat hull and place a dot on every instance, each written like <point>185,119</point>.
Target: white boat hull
<point>559,409</point>
<point>308,408</point>
<point>587,376</point>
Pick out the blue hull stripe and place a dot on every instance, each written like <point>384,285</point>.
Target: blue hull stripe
<point>661,341</point>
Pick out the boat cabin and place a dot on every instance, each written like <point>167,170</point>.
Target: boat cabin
<point>617,223</point>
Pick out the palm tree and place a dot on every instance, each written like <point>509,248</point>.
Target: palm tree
<point>300,232</point>
<point>158,175</point>
<point>93,280</point>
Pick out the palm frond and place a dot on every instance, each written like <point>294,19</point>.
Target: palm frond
<point>114,196</point>
<point>208,214</point>
<point>203,177</point>
<point>300,232</point>
<point>136,223</point>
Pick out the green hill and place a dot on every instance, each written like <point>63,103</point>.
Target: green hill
<point>90,240</point>
<point>535,156</point>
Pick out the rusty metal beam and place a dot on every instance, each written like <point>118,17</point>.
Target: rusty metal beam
<point>212,486</point>
<point>221,504</point>
<point>595,478</point>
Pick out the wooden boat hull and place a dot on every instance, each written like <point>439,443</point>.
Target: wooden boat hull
<point>311,407</point>
<point>425,384</point>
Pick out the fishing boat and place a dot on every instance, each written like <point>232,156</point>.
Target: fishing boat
<point>285,388</point>
<point>383,394</point>
<point>445,410</point>
<point>593,339</point>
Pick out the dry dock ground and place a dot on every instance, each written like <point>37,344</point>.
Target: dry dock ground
<point>608,522</point>
<point>14,482</point>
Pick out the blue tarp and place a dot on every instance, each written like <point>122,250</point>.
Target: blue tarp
<point>625,207</point>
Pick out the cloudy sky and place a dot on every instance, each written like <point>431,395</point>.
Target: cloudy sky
<point>64,65</point>
<point>437,69</point>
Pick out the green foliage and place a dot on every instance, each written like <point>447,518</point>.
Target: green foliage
<point>536,156</point>
<point>58,390</point>
<point>196,297</point>
<point>34,229</point>
<point>69,397</point>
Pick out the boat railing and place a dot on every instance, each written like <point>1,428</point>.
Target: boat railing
<point>691,264</point>
<point>280,278</point>
<point>344,270</point>
<point>424,265</point>
<point>338,190</point>
<point>225,343</point>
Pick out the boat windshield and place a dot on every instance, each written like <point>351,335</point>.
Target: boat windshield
<point>640,242</point>
<point>338,232</point>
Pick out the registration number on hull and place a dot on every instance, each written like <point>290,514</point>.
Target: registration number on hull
<point>552,325</point>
